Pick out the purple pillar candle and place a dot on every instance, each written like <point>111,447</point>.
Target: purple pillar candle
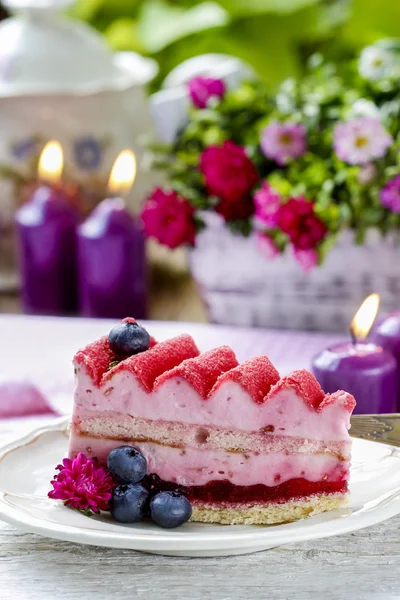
<point>386,333</point>
<point>112,264</point>
<point>46,229</point>
<point>362,369</point>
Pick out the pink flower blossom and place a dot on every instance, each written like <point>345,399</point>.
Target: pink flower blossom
<point>298,220</point>
<point>307,259</point>
<point>168,217</point>
<point>266,245</point>
<point>390,194</point>
<point>201,89</point>
<point>282,142</point>
<point>267,202</point>
<point>367,173</point>
<point>361,140</point>
<point>230,175</point>
<point>81,483</point>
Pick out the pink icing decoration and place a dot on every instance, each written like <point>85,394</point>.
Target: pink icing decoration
<point>256,376</point>
<point>305,385</point>
<point>202,372</point>
<point>154,383</point>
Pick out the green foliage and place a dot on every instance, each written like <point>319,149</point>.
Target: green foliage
<point>274,36</point>
<point>123,33</point>
<point>161,24</point>
<point>255,7</point>
<point>271,35</point>
<point>370,20</point>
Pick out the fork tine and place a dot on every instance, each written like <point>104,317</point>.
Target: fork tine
<point>379,428</point>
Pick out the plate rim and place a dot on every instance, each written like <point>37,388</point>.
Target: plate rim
<point>262,537</point>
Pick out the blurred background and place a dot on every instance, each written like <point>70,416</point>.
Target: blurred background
<point>274,37</point>
<point>97,77</point>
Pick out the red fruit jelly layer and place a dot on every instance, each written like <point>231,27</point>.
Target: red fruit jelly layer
<point>225,491</point>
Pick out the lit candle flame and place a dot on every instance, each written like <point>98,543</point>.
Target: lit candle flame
<point>365,317</point>
<point>51,162</point>
<point>122,174</point>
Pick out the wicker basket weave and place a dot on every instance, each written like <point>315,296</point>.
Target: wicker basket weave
<point>241,286</point>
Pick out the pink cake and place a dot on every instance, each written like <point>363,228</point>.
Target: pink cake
<point>242,444</point>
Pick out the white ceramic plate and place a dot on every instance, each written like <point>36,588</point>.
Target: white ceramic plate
<point>27,465</point>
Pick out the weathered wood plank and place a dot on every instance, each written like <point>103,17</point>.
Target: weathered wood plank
<point>363,565</point>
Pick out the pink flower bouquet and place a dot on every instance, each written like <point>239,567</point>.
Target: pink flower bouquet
<point>296,169</point>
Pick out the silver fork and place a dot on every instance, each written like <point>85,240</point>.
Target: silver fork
<point>379,428</point>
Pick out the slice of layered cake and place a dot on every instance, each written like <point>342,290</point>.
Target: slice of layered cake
<point>242,444</point>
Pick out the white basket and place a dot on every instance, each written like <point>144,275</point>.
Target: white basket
<point>241,286</point>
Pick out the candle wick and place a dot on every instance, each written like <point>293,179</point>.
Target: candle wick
<point>353,336</point>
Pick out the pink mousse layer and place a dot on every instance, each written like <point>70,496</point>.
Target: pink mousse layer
<point>229,406</point>
<point>194,467</point>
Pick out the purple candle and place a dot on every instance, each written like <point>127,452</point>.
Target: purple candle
<point>46,229</point>
<point>112,265</point>
<point>361,368</point>
<point>364,370</point>
<point>111,250</point>
<point>386,333</point>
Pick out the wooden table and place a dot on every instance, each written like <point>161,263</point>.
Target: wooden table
<point>363,565</point>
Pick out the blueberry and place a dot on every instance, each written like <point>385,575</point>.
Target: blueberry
<point>127,464</point>
<point>170,509</point>
<point>128,338</point>
<point>129,503</point>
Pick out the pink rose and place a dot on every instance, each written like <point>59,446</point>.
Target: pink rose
<point>201,89</point>
<point>168,217</point>
<point>298,220</point>
<point>230,175</point>
<point>390,194</point>
<point>307,259</point>
<point>267,203</point>
<point>266,245</point>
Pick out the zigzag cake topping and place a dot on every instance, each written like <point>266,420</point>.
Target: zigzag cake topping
<point>180,358</point>
<point>203,371</point>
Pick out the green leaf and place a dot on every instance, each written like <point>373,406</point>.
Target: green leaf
<point>360,236</point>
<point>327,244</point>
<point>372,20</point>
<point>162,24</point>
<point>253,7</point>
<point>115,9</point>
<point>86,10</point>
<point>242,226</point>
<point>268,42</point>
<point>123,35</point>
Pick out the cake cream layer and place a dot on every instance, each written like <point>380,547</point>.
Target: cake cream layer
<point>229,406</point>
<point>197,467</point>
<point>126,428</point>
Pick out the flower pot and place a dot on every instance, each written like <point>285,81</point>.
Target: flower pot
<point>241,286</point>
